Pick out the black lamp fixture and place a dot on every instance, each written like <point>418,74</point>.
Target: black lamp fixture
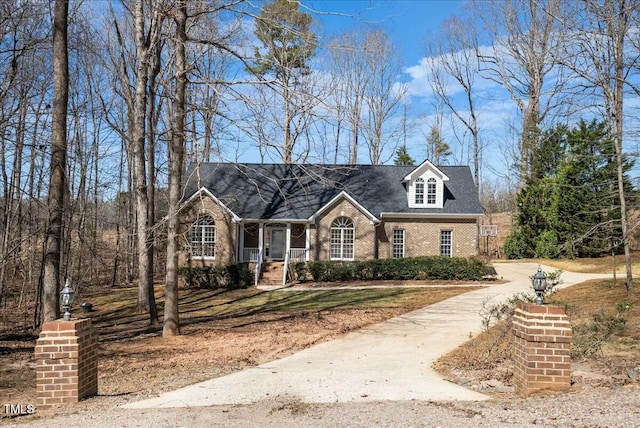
<point>66,299</point>
<point>539,282</point>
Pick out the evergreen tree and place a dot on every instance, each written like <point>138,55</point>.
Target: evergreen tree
<point>287,45</point>
<point>403,157</point>
<point>569,206</point>
<point>437,149</point>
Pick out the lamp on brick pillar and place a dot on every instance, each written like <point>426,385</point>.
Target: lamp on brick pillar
<point>539,282</point>
<point>66,299</point>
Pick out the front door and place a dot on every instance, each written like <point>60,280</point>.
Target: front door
<point>276,243</point>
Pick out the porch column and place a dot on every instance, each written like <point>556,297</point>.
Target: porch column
<point>307,243</point>
<point>287,239</point>
<point>241,243</point>
<point>260,240</point>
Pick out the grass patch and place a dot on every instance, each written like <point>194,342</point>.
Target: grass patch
<point>593,264</point>
<point>116,317</point>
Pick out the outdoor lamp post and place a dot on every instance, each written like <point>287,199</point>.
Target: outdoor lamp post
<point>66,300</point>
<point>539,282</point>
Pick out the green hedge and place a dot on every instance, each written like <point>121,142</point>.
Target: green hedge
<point>416,268</point>
<point>214,277</point>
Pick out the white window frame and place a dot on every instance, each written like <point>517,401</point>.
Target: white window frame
<point>446,243</point>
<point>419,192</point>
<point>203,238</point>
<point>342,239</point>
<point>432,191</point>
<point>397,244</point>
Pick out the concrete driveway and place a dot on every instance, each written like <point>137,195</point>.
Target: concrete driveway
<point>387,361</point>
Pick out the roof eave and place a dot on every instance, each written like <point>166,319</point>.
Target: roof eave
<point>428,215</point>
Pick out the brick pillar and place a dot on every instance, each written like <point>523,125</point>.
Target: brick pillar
<point>542,349</point>
<point>66,362</point>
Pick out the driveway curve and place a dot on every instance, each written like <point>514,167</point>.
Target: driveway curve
<point>388,361</point>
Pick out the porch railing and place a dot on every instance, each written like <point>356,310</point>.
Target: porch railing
<point>250,254</point>
<point>298,255</point>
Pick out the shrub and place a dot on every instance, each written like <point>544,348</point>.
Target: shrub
<point>416,268</point>
<point>214,277</point>
<point>515,246</point>
<point>547,245</point>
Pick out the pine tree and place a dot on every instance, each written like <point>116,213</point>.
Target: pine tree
<point>287,45</point>
<point>569,206</point>
<point>403,157</point>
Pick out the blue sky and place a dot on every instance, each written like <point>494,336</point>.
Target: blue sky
<point>407,21</point>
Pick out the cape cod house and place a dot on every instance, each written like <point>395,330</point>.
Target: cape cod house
<point>272,214</point>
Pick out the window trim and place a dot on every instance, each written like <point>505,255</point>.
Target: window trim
<point>432,191</point>
<point>398,244</point>
<point>419,193</point>
<point>342,231</point>
<point>446,245</point>
<point>205,227</point>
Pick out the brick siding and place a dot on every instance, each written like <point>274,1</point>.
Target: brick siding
<point>364,231</point>
<point>422,236</point>
<point>225,250</point>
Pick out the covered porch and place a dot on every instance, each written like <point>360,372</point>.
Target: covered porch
<point>262,242</point>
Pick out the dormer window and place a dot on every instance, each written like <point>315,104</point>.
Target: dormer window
<point>431,191</point>
<point>425,187</point>
<point>419,200</point>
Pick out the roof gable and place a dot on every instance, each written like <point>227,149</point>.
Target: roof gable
<point>421,169</point>
<point>345,195</point>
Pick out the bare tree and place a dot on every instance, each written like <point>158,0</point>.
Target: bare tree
<point>525,47</point>
<point>383,96</point>
<point>176,165</point>
<point>145,48</point>
<point>350,80</point>
<point>58,178</point>
<point>454,66</point>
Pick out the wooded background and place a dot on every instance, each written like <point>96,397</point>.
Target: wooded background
<point>103,103</point>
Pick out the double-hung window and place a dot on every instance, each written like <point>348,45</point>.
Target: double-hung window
<point>203,237</point>
<point>397,248</point>
<point>446,243</point>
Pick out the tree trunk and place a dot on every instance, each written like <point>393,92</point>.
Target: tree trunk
<point>146,298</point>
<point>57,181</point>
<point>176,161</point>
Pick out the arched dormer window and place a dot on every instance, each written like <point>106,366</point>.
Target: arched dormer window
<point>342,239</point>
<point>203,237</point>
<point>419,195</point>
<point>431,191</point>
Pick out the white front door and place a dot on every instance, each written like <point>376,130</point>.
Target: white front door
<point>276,243</point>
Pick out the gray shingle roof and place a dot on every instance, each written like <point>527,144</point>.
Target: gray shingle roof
<point>280,191</point>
